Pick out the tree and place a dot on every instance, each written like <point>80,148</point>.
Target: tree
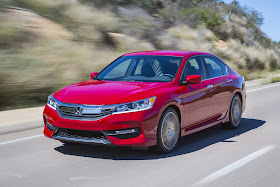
<point>256,17</point>
<point>234,8</point>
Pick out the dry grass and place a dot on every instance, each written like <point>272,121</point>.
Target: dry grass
<point>61,42</point>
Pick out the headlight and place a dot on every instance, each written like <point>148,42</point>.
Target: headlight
<point>51,102</point>
<point>135,106</point>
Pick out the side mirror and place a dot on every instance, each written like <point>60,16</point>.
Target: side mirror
<point>193,79</point>
<point>93,74</point>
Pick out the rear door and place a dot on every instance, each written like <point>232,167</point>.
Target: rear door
<point>197,99</point>
<point>218,75</point>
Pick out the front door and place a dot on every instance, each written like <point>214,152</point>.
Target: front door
<point>197,99</point>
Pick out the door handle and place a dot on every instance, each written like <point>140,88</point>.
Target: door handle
<point>229,80</point>
<point>210,86</point>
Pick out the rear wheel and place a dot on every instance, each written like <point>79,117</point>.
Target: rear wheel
<point>168,132</point>
<point>235,113</point>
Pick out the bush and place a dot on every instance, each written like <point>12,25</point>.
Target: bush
<point>275,79</point>
<point>210,18</point>
<point>255,64</point>
<point>12,35</point>
<point>249,64</point>
<point>273,65</point>
<point>259,64</point>
<point>237,34</point>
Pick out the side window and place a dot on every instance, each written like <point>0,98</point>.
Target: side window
<point>224,68</point>
<point>194,67</point>
<point>119,70</point>
<point>213,68</point>
<point>138,68</point>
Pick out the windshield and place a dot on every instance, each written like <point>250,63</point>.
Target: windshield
<point>142,69</point>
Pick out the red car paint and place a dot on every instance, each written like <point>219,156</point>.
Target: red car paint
<point>199,107</point>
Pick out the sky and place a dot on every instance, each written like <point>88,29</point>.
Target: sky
<point>270,10</point>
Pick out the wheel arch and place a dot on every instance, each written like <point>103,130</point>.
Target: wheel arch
<point>237,92</point>
<point>176,109</point>
<point>240,96</point>
<point>175,106</point>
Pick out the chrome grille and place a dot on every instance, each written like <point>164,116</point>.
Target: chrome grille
<point>83,112</point>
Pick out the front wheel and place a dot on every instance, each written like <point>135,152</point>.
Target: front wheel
<point>168,132</point>
<point>235,113</point>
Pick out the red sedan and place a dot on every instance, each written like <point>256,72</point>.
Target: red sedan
<point>147,99</point>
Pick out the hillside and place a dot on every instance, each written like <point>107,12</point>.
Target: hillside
<point>45,45</point>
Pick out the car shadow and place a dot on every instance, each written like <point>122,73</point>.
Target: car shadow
<point>187,144</point>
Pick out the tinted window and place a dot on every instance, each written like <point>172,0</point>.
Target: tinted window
<point>142,68</point>
<point>224,68</point>
<point>194,67</point>
<point>213,68</point>
<point>119,70</point>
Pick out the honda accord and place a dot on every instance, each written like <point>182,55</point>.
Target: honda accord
<point>147,99</point>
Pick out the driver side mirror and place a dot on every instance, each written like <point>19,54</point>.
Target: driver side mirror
<point>193,79</point>
<point>93,74</point>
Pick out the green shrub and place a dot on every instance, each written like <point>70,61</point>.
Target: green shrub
<point>240,66</point>
<point>273,65</point>
<point>275,79</point>
<point>210,18</point>
<point>259,64</point>
<point>249,64</point>
<point>255,64</point>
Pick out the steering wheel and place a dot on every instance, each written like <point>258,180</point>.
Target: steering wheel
<point>168,75</point>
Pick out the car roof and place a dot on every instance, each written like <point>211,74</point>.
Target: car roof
<point>168,53</point>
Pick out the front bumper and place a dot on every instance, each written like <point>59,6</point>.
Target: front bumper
<point>82,131</point>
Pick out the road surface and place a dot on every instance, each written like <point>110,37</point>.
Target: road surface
<point>247,156</point>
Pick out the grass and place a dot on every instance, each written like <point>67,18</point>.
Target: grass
<point>275,79</point>
<point>35,62</point>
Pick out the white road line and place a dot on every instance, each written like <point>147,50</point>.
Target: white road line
<point>235,165</point>
<point>262,88</point>
<point>86,178</point>
<point>21,139</point>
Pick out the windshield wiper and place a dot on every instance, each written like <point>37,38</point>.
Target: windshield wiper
<point>129,80</point>
<point>95,78</point>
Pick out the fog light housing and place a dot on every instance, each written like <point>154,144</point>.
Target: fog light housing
<point>124,133</point>
<point>49,125</point>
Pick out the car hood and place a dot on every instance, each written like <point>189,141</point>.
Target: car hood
<point>95,92</point>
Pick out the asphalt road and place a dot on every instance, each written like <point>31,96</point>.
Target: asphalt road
<point>247,156</point>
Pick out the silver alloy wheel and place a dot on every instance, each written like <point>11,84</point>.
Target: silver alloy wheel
<point>236,111</point>
<point>169,130</point>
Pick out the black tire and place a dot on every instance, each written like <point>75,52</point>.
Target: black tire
<point>168,132</point>
<point>235,113</point>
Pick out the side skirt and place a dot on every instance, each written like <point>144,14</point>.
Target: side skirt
<point>202,125</point>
